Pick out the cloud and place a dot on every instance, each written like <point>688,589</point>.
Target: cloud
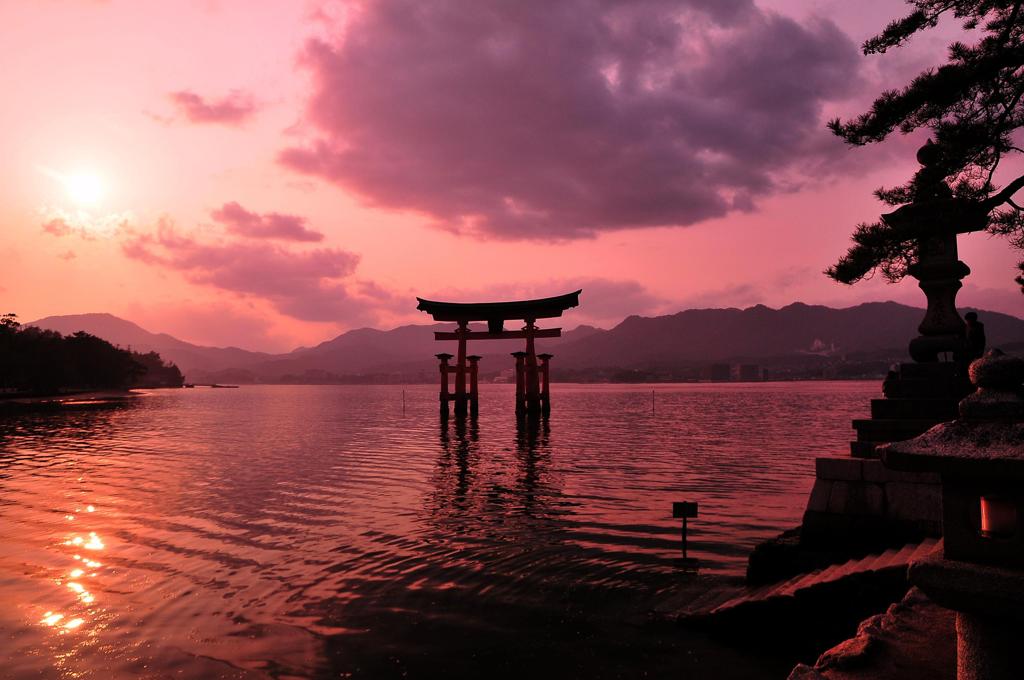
<point>57,226</point>
<point>233,109</point>
<point>733,295</point>
<point>81,223</point>
<point>240,221</point>
<point>560,120</point>
<point>309,285</point>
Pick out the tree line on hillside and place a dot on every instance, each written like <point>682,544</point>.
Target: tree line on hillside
<point>37,361</point>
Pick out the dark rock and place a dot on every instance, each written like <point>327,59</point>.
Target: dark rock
<point>913,639</point>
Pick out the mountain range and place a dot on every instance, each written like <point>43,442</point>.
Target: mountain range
<point>672,346</point>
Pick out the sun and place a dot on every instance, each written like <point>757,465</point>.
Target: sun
<point>84,188</point>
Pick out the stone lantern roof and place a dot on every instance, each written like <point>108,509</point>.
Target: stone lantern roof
<point>988,438</point>
<point>963,447</point>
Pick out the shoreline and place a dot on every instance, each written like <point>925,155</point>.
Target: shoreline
<point>85,398</point>
<point>566,382</point>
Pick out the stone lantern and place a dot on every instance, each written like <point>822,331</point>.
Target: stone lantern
<point>980,571</point>
<point>934,218</point>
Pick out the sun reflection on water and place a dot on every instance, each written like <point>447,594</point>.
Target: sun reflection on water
<point>91,541</point>
<point>51,619</point>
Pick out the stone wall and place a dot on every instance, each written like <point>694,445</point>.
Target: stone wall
<point>858,501</point>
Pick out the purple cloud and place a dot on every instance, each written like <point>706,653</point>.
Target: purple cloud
<point>233,109</point>
<point>560,120</point>
<point>308,285</point>
<point>240,221</point>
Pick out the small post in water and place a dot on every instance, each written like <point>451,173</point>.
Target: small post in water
<point>684,510</point>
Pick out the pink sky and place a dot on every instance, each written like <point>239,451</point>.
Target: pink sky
<point>270,174</point>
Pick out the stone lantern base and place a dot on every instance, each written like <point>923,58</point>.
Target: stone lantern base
<point>989,605</point>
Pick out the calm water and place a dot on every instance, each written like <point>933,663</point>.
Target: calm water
<point>316,531</point>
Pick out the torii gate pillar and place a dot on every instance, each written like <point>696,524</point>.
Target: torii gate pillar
<point>545,386</point>
<point>443,396</point>
<point>460,370</point>
<point>474,384</point>
<point>520,382</point>
<point>532,374</point>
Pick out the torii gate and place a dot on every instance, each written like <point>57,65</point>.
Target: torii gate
<point>530,397</point>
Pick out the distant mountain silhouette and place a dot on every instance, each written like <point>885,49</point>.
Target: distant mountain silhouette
<point>689,338</point>
<point>406,349</point>
<point>189,358</point>
<point>760,332</point>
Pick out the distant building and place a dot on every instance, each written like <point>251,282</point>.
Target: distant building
<point>732,373</point>
<point>717,373</point>
<point>747,372</point>
<point>506,375</point>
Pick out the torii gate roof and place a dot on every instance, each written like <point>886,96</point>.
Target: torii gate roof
<point>541,308</point>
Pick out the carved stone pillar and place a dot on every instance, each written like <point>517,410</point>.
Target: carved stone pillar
<point>939,272</point>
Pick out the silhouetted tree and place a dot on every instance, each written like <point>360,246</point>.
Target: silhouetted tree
<point>155,372</point>
<point>33,360</point>
<point>8,330</point>
<point>972,105</point>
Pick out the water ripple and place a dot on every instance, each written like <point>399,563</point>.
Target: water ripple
<point>253,532</point>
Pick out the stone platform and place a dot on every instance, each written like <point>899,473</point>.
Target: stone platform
<point>858,502</point>
<point>862,502</point>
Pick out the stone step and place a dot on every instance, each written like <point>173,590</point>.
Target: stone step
<point>828,573</point>
<point>900,556</point>
<point>939,410</point>
<point>920,388</point>
<point>911,548</point>
<point>710,599</point>
<point>882,561</point>
<point>772,595</point>
<point>890,430</point>
<point>791,587</point>
<point>938,370</point>
<point>863,449</point>
<point>850,567</point>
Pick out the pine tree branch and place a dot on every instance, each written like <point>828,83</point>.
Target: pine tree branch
<point>1010,22</point>
<point>1005,195</point>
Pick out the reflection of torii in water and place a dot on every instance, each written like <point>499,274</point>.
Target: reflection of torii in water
<point>530,398</point>
<point>472,490</point>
